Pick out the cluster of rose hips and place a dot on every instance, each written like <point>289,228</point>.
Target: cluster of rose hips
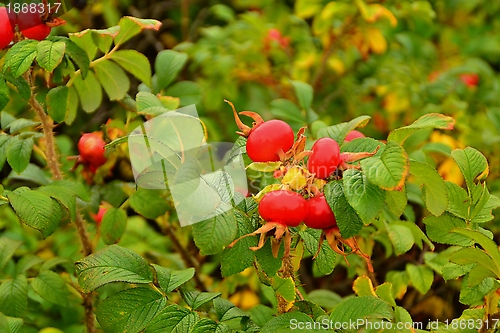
<point>32,25</point>
<point>299,197</point>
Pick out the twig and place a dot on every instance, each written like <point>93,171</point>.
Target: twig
<point>53,164</point>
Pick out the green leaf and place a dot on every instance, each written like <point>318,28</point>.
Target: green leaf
<point>26,262</point>
<point>270,265</point>
<point>173,319</point>
<point>304,93</point>
<point>63,195</point>
<point>340,131</point>
<point>384,292</point>
<point>195,299</point>
<point>472,164</point>
<point>135,63</point>
<point>56,102</point>
<point>14,296</point>
<point>453,271</point>
<point>396,201</point>
<point>347,218</point>
<point>20,124</point>
<point>226,310</point>
<point>421,277</point>
<point>37,210</point>
<point>488,245</point>
<point>51,287</point>
<point>112,264</point>
<point>212,235</point>
<point>187,91</point>
<point>4,93</point>
<point>399,281</point>
<point>149,104</point>
<point>439,230</point>
<point>363,286</point>
<point>20,57</point>
<point>84,41</point>
<point>284,287</point>
<point>6,119</point>
<point>475,295</point>
<point>239,257</point>
<point>113,79</point>
<point>210,326</point>
<point>367,199</point>
<point>430,120</point>
<point>130,310</point>
<point>79,56</point>
<point>170,280</point>
<point>71,106</point>
<point>76,188</point>
<point>401,237</point>
<point>458,200</point>
<point>435,192</point>
<point>89,91</point>
<point>4,143</point>
<point>363,307</point>
<point>324,298</point>
<point>168,64</point>
<point>326,259</point>
<point>149,203</point>
<point>287,110</point>
<point>389,170</point>
<point>10,324</point>
<point>7,248</point>
<point>50,54</point>
<point>131,26</point>
<point>103,38</point>
<point>284,323</point>
<point>310,308</point>
<point>113,225</point>
<point>485,214</point>
<point>19,153</point>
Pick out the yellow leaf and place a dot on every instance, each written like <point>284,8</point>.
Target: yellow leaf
<point>395,103</point>
<point>336,65</point>
<point>363,286</point>
<point>377,41</point>
<point>450,171</point>
<point>295,178</point>
<point>245,299</point>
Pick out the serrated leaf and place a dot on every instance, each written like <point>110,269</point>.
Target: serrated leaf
<point>270,265</point>
<point>7,248</point>
<point>340,131</point>
<point>188,92</point>
<point>4,93</point>
<point>14,296</point>
<point>50,54</point>
<point>389,170</point>
<point>64,196</point>
<point>19,153</point>
<point>326,259</point>
<point>396,201</point>
<point>113,225</point>
<point>51,287</point>
<point>226,310</point>
<point>439,230</point>
<point>362,307</point>
<point>363,286</point>
<point>84,41</point>
<point>401,237</point>
<point>399,281</point>
<point>284,287</point>
<point>170,280</point>
<point>112,78</point>
<point>347,218</point>
<point>4,143</point>
<point>89,91</point>
<point>149,104</point>
<point>430,120</point>
<point>472,164</point>
<point>130,310</point>
<point>366,198</point>
<point>173,319</point>
<point>10,324</point>
<point>79,56</point>
<point>168,64</point>
<point>20,124</point>
<point>212,235</point>
<point>112,264</point>
<point>149,203</point>
<point>20,57</point>
<point>458,200</point>
<point>239,257</point>
<point>72,106</point>
<point>26,262</point>
<point>210,326</point>
<point>131,26</point>
<point>103,38</point>
<point>421,277</point>
<point>195,299</point>
<point>435,194</point>
<point>281,323</point>
<point>135,63</point>
<point>452,271</point>
<point>488,245</point>
<point>56,102</point>
<point>384,292</point>
<point>37,210</point>
<point>304,93</point>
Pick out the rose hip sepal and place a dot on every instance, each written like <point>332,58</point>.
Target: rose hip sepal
<point>280,209</point>
<point>338,243</point>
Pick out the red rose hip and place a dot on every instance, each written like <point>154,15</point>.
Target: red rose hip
<point>6,24</point>
<point>325,158</point>
<point>353,135</point>
<point>267,139</point>
<point>319,213</point>
<point>32,26</point>
<point>91,148</point>
<point>283,206</point>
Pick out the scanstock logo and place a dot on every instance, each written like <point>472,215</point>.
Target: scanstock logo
<point>170,152</point>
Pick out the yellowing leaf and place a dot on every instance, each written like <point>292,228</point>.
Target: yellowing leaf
<point>295,178</point>
<point>376,40</point>
<point>394,102</point>
<point>336,65</point>
<point>245,299</point>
